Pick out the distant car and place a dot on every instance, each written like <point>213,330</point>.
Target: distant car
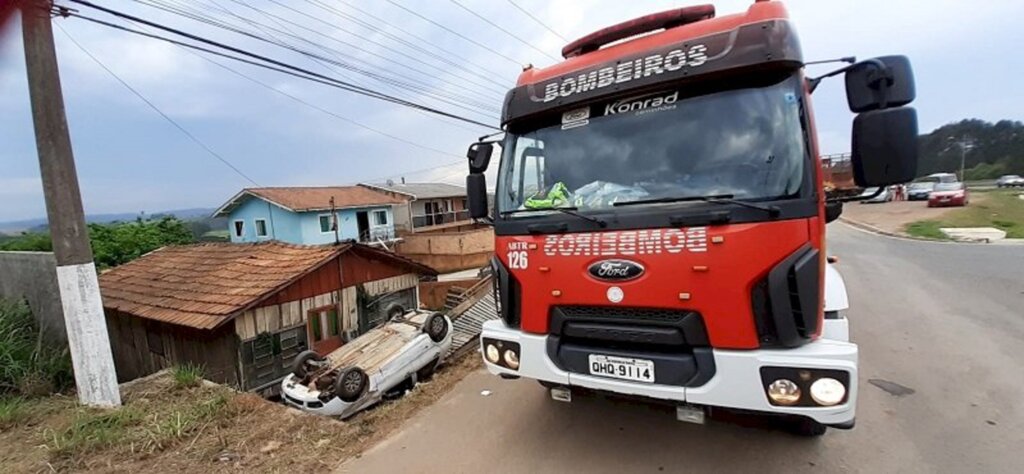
<point>1010,181</point>
<point>885,196</point>
<point>385,361</point>
<point>919,190</point>
<point>948,194</point>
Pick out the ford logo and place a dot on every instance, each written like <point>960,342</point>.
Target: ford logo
<point>615,270</point>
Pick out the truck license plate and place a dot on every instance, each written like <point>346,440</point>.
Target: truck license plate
<point>640,370</point>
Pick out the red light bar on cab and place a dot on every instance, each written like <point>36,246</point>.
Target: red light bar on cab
<point>645,24</point>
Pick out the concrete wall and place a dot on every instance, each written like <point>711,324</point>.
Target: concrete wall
<point>32,276</point>
<point>449,251</point>
<point>434,293</point>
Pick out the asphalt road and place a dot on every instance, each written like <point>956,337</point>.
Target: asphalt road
<point>945,320</point>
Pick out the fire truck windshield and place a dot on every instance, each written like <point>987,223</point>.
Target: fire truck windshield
<point>744,142</point>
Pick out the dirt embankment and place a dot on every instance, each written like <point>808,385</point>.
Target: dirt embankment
<point>164,427</point>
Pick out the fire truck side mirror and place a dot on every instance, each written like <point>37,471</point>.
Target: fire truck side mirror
<point>476,195</point>
<point>880,83</point>
<point>885,147</point>
<point>479,155</point>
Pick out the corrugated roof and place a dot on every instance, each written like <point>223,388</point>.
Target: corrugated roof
<point>313,198</point>
<point>424,190</point>
<point>205,285</point>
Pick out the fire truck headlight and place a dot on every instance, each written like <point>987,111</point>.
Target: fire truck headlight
<point>784,392</point>
<point>511,359</point>
<point>492,353</point>
<point>827,391</point>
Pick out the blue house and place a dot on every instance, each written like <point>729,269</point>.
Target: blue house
<point>303,215</point>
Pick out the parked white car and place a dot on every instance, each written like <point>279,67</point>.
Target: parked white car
<point>884,196</point>
<point>1010,181</point>
<point>385,360</point>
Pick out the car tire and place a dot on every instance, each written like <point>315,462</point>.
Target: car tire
<point>808,428</point>
<point>427,371</point>
<point>436,327</point>
<point>393,311</point>
<point>350,384</point>
<point>300,366</point>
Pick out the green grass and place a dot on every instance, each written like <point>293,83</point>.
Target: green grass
<point>927,230</point>
<point>1000,209</point>
<point>13,411</point>
<point>91,430</point>
<point>29,365</point>
<point>188,375</point>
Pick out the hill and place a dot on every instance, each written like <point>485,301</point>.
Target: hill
<point>998,149</point>
<point>39,224</point>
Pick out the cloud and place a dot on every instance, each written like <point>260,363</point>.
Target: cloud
<point>124,149</point>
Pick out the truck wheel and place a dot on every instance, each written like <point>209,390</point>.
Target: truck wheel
<point>394,311</point>
<point>808,427</point>
<point>300,366</point>
<point>436,327</point>
<point>350,384</point>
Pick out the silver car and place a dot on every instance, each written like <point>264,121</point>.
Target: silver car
<point>1010,181</point>
<point>386,360</point>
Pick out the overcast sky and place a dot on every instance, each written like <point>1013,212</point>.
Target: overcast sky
<point>966,58</point>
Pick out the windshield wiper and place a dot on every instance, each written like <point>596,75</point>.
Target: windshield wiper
<point>564,210</point>
<point>772,211</point>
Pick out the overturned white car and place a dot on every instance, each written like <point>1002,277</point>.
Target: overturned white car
<point>386,360</point>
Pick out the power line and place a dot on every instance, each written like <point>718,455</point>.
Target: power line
<point>371,40</point>
<point>280,65</point>
<point>425,41</point>
<point>153,106</point>
<point>327,67</point>
<point>541,23</point>
<point>424,89</point>
<point>456,33</point>
<point>503,30</point>
<point>460,64</point>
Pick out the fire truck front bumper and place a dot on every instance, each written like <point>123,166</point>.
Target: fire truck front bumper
<point>742,379</point>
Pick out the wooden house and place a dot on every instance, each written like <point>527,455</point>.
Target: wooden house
<point>243,311</point>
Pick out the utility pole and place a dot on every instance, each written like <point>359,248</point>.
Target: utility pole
<point>966,144</point>
<point>88,340</point>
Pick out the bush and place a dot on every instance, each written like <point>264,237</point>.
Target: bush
<point>188,375</point>
<point>28,366</point>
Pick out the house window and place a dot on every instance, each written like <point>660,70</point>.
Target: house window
<point>239,228</point>
<point>326,223</point>
<point>261,228</point>
<point>323,324</point>
<point>380,217</point>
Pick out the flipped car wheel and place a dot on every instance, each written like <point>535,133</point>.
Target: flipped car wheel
<point>301,364</point>
<point>350,384</point>
<point>436,327</point>
<point>394,311</point>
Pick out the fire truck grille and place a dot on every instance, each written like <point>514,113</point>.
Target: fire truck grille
<point>617,312</point>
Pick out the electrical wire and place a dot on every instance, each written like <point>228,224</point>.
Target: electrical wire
<point>456,33</point>
<point>537,20</point>
<point>467,104</point>
<point>344,85</point>
<point>156,109</point>
<point>503,30</point>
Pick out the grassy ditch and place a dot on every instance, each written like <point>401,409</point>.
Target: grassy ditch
<point>174,423</point>
<point>1000,209</point>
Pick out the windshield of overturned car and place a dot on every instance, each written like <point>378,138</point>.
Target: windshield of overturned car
<point>747,143</point>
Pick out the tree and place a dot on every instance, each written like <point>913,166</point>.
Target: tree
<point>116,243</point>
<point>998,149</point>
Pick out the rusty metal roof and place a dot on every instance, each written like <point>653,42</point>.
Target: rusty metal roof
<point>205,285</point>
<point>313,198</point>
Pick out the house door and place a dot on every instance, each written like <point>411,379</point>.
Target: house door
<point>324,329</point>
<point>363,223</point>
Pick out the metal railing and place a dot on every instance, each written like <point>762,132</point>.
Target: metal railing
<point>439,218</point>
<point>376,234</point>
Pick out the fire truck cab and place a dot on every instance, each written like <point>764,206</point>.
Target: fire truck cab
<point>660,217</point>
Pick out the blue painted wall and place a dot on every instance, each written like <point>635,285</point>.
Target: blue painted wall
<point>298,228</point>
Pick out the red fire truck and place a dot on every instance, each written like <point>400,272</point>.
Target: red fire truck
<point>660,217</point>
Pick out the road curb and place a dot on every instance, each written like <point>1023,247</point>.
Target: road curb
<point>875,230</point>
